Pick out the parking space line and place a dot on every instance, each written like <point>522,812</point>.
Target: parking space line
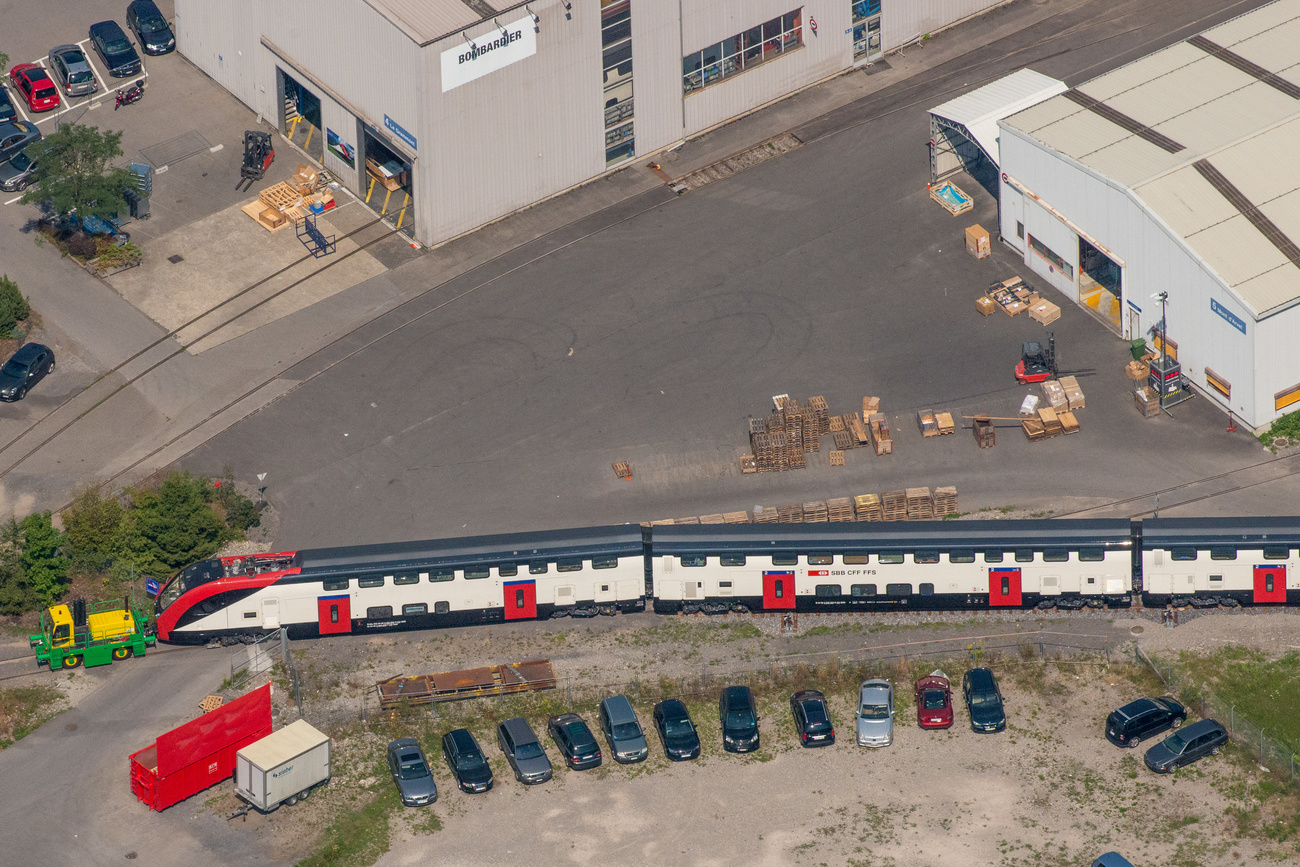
<point>10,202</point>
<point>87,53</point>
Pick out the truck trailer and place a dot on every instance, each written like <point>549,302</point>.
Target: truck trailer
<point>283,767</point>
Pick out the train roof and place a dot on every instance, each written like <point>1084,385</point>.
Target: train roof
<point>1167,532</point>
<point>588,541</point>
<point>753,538</point>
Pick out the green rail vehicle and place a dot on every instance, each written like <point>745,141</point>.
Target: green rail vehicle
<point>98,634</point>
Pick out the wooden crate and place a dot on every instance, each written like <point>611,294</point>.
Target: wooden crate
<point>839,510</point>
<point>982,426</point>
<point>1069,424</point>
<point>837,457</point>
<point>945,501</point>
<point>1033,429</point>
<point>945,422</point>
<point>880,437</point>
<point>866,507</point>
<point>925,420</point>
<point>893,505</point>
<point>919,504</point>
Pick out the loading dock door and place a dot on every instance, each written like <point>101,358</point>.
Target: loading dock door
<point>1270,584</point>
<point>334,614</point>
<point>1004,588</point>
<point>778,590</point>
<point>521,600</point>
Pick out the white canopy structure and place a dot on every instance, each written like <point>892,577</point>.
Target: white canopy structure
<point>965,129</point>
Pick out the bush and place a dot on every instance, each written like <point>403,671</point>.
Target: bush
<point>91,525</point>
<point>177,523</point>
<point>1287,426</point>
<point>46,567</point>
<point>82,245</point>
<point>109,255</point>
<point>13,306</point>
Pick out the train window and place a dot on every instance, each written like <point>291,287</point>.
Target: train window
<point>891,559</point>
<point>538,567</point>
<point>406,578</point>
<point>508,570</point>
<point>821,559</point>
<point>604,562</point>
<point>475,572</point>
<point>441,575</point>
<point>1056,556</point>
<point>1091,555</point>
<point>334,614</point>
<point>1182,554</point>
<point>927,589</point>
<point>568,566</point>
<point>778,589</point>
<point>1275,553</point>
<point>416,609</point>
<point>785,559</point>
<point>694,561</point>
<point>441,607</point>
<point>1223,553</point>
<point>863,589</point>
<point>961,556</point>
<point>898,589</point>
<point>337,584</point>
<point>732,559</point>
<point>250,615</point>
<point>379,612</point>
<point>828,590</point>
<point>371,581</point>
<point>925,557</point>
<point>1092,579</point>
<point>519,598</point>
<point>1024,555</point>
<point>856,559</point>
<point>724,583</point>
<point>993,556</point>
<point>1216,579</point>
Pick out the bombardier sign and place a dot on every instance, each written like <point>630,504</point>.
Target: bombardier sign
<point>493,50</point>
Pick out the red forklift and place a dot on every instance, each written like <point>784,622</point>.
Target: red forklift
<point>1037,364</point>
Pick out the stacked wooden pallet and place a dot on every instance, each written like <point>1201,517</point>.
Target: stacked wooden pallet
<point>712,519</point>
<point>844,440</point>
<point>815,512</point>
<point>792,514</point>
<point>879,432</point>
<point>839,510</point>
<point>835,424</point>
<point>945,501</point>
<point>766,515</point>
<point>893,505</point>
<point>735,517</point>
<point>820,414</point>
<point>919,504</point>
<point>945,422</point>
<point>860,436</point>
<point>866,507</point>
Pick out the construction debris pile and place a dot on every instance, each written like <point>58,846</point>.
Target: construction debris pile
<point>910,504</point>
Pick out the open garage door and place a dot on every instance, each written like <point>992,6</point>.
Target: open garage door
<point>302,116</point>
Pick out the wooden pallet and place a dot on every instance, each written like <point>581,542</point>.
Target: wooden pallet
<point>748,464</point>
<point>815,512</point>
<point>866,507</point>
<point>837,457</point>
<point>835,423</point>
<point>623,470</point>
<point>280,196</point>
<point>735,517</point>
<point>792,514</point>
<point>839,510</point>
<point>945,501</point>
<point>893,506</point>
<point>919,504</point>
<point>211,703</point>
<point>944,420</point>
<point>712,519</point>
<point>766,515</point>
<point>844,440</point>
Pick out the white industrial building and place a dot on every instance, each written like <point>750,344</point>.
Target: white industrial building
<point>1179,174</point>
<point>463,111</point>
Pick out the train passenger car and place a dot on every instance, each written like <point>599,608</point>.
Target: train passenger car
<point>1221,561</point>
<point>405,585</point>
<point>894,566</point>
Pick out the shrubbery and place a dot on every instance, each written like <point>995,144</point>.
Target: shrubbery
<point>13,306</point>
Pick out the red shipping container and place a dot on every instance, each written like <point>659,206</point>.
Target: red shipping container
<point>189,758</point>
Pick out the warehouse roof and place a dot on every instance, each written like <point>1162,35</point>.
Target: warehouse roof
<point>980,110</point>
<point>1204,135</point>
<point>427,21</point>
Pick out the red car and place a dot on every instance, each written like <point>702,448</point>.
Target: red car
<point>34,84</point>
<point>934,701</point>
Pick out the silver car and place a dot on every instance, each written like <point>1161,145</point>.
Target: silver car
<point>72,70</point>
<point>524,751</point>
<point>623,730</point>
<point>875,713</point>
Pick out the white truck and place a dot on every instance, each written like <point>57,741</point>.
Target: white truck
<point>282,767</point>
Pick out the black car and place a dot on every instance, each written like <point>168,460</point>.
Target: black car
<point>468,764</point>
<point>27,367</point>
<point>7,110</point>
<point>739,720</point>
<point>812,720</point>
<point>115,49</point>
<point>575,741</point>
<point>676,731</point>
<point>1138,720</point>
<point>150,27</point>
<point>983,701</point>
<point>16,175</point>
<point>1200,739</point>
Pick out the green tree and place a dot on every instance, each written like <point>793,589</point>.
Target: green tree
<point>44,563</point>
<point>73,172</point>
<point>92,523</point>
<point>16,596</point>
<point>13,306</point>
<point>177,523</point>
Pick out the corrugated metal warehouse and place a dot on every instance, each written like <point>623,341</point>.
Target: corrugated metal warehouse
<point>1177,174</point>
<point>458,112</point>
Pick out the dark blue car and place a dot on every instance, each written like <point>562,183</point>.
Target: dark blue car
<point>150,27</point>
<point>115,49</point>
<point>7,110</point>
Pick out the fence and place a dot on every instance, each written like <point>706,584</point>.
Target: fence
<point>1269,752</point>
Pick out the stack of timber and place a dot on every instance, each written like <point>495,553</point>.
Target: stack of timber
<point>879,431</point>
<point>815,513</point>
<point>945,501</point>
<point>893,505</point>
<point>1073,394</point>
<point>866,507</point>
<point>839,510</point>
<point>919,504</point>
<point>685,521</point>
<point>926,422</point>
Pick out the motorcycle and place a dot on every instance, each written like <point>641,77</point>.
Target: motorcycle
<point>126,96</point>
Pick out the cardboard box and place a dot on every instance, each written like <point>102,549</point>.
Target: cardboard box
<point>977,241</point>
<point>305,179</point>
<point>1073,393</point>
<point>984,304</point>
<point>1054,395</point>
<point>1137,371</point>
<point>1044,312</point>
<point>271,217</point>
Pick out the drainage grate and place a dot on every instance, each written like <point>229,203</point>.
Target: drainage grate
<point>760,153</point>
<point>1254,70</point>
<point>176,149</point>
<point>176,258</point>
<point>1247,209</point>
<point>1122,120</point>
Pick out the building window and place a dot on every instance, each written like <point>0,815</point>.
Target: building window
<point>616,42</point>
<point>574,565</point>
<point>1020,230</point>
<point>406,578</point>
<point>742,52</point>
<point>1051,258</point>
<point>821,559</point>
<point>371,581</point>
<point>866,29</point>
<point>442,575</point>
<point>604,562</point>
<point>1218,383</point>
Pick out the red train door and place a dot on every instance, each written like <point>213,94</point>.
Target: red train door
<point>778,590</point>
<point>334,614</point>
<point>1004,588</point>
<point>521,600</point>
<point>1270,584</point>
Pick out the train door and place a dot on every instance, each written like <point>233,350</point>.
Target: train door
<point>1270,584</point>
<point>1004,587</point>
<point>334,614</point>
<point>778,590</point>
<point>520,600</point>
<point>271,613</point>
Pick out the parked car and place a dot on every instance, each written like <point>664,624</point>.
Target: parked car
<point>523,751</point>
<point>411,773</point>
<point>72,70</point>
<point>983,701</point>
<point>1129,725</point>
<point>676,731</point>
<point>1200,739</point>
<point>35,87</point>
<point>15,136</point>
<point>7,110</point>
<point>150,27</point>
<point>812,719</point>
<point>875,713</point>
<point>575,741</point>
<point>16,174</point>
<point>28,366</point>
<point>934,701</point>
<point>623,730</point>
<point>115,49</point>
<point>739,720</point>
<point>1112,859</point>
<point>467,763</point>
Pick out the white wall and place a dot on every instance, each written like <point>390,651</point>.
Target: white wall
<point>902,21</point>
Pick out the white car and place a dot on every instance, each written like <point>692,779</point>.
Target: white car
<point>875,713</point>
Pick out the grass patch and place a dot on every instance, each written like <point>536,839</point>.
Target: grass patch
<point>1265,691</point>
<point>356,838</point>
<point>24,709</point>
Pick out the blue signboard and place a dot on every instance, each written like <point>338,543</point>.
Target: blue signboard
<point>1228,316</point>
<point>151,586</point>
<point>397,130</point>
